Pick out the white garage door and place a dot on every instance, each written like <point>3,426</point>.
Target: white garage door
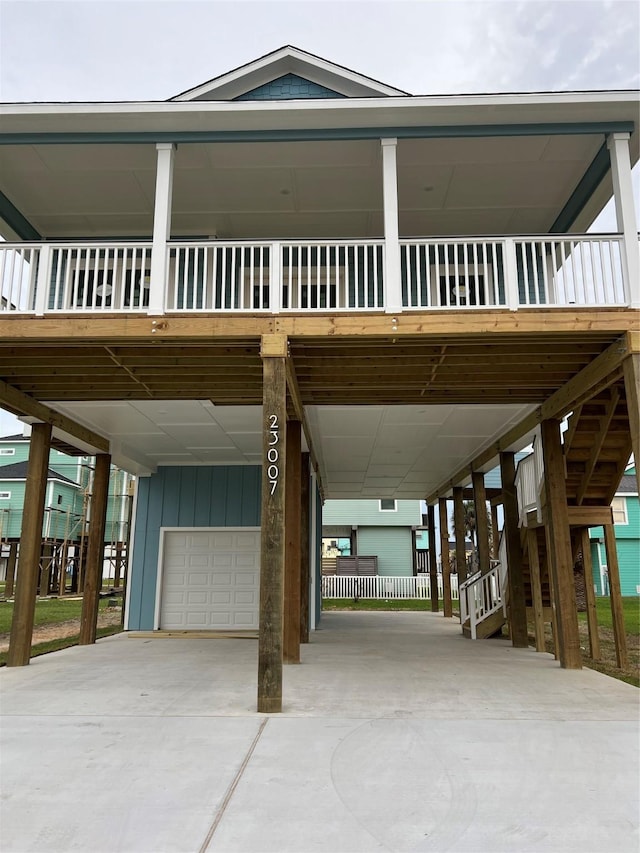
<point>210,579</point>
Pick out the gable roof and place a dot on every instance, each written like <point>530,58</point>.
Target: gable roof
<point>288,60</point>
<point>628,485</point>
<point>14,438</point>
<point>18,471</point>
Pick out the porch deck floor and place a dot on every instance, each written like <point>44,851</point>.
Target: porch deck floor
<point>397,735</point>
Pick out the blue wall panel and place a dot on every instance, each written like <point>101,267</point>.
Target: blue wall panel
<point>288,87</point>
<point>185,497</point>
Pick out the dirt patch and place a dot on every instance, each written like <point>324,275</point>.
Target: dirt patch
<point>59,630</point>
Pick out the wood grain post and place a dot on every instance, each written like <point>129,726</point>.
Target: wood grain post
<point>305,548</point>
<point>559,554</point>
<point>433,558</point>
<point>515,576</point>
<point>495,542</point>
<point>592,616</point>
<point>631,368</point>
<point>447,609</point>
<point>30,546</point>
<point>46,560</point>
<point>95,550</point>
<point>62,577</point>
<point>482,524</point>
<point>458,526</point>
<point>272,537</point>
<point>292,572</point>
<point>615,596</point>
<point>11,570</point>
<point>536,588</point>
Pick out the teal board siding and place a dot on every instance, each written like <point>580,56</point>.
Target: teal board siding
<point>368,513</point>
<point>184,497</point>
<point>627,547</point>
<point>287,88</point>
<point>391,545</point>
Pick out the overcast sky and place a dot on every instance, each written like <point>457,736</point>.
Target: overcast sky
<point>91,50</point>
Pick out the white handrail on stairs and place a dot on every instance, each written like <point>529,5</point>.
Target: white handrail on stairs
<point>480,596</point>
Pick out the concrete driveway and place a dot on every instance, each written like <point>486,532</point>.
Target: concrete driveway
<point>397,735</point>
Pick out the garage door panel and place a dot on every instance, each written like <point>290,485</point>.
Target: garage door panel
<point>210,580</point>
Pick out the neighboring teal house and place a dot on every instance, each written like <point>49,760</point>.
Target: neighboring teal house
<point>385,529</point>
<point>626,523</point>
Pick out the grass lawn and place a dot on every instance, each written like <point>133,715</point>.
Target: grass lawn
<point>630,607</point>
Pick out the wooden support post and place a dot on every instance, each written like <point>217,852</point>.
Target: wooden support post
<point>495,541</point>
<point>433,558</point>
<point>482,524</point>
<point>11,570</point>
<point>272,549</point>
<point>305,548</point>
<point>615,596</point>
<point>292,573</point>
<point>118,566</point>
<point>30,545</point>
<point>447,609</point>
<point>631,368</point>
<point>536,588</point>
<point>46,559</point>
<point>458,525</point>
<point>515,576</point>
<point>95,551</point>
<point>559,548</point>
<point>62,577</point>
<point>592,616</point>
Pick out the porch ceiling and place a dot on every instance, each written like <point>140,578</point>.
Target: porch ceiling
<point>387,417</point>
<point>315,189</point>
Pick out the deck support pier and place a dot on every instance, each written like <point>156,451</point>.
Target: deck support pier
<point>583,544</point>
<point>30,547</point>
<point>631,369</point>
<point>305,546</point>
<point>615,596</point>
<point>559,553</point>
<point>95,550</point>
<point>11,570</point>
<point>433,558</point>
<point>272,537</point>
<point>292,570</point>
<point>447,609</point>
<point>482,522</point>
<point>458,524</point>
<point>517,601</point>
<point>536,587</point>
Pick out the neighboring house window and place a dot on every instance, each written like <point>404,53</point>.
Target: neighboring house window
<point>7,451</point>
<point>387,505</point>
<point>59,499</point>
<point>619,507</point>
<point>5,496</point>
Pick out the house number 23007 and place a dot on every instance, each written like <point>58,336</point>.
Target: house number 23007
<point>273,454</point>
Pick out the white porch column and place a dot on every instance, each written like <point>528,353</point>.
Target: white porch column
<point>161,226</point>
<point>618,145</point>
<point>393,287</point>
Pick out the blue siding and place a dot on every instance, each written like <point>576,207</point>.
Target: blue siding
<point>185,497</point>
<point>288,87</point>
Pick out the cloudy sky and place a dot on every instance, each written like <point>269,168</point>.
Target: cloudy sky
<point>152,49</point>
<point>91,50</point>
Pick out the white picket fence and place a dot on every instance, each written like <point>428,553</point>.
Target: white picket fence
<point>380,586</point>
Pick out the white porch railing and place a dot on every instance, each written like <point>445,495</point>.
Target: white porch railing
<point>529,481</point>
<point>480,596</point>
<point>465,273</point>
<point>383,587</point>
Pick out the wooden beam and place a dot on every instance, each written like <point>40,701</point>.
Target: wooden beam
<point>305,546</point>
<point>23,405</point>
<point>298,406</point>
<point>596,444</point>
<point>11,570</point>
<point>515,576</point>
<point>584,543</point>
<point>559,552</point>
<point>482,524</point>
<point>536,588</point>
<point>95,550</point>
<point>458,526</point>
<point>433,558</point>
<point>292,574</point>
<point>615,596</point>
<point>631,369</point>
<point>272,537</point>
<point>447,609</point>
<point>30,547</point>
<point>589,516</point>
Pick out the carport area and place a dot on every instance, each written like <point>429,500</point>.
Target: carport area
<point>396,734</point>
